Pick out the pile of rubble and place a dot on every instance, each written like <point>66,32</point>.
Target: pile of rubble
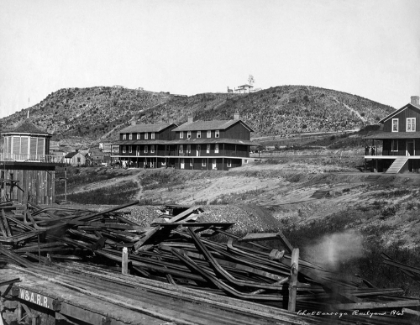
<point>180,249</point>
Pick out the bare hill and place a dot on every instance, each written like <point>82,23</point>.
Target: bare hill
<point>99,112</point>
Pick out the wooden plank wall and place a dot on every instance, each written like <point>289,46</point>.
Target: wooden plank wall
<point>40,184</point>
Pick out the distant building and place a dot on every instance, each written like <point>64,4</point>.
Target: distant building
<point>105,146</point>
<point>75,159</point>
<point>203,145</point>
<point>244,89</point>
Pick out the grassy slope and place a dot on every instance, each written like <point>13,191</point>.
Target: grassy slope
<point>91,113</point>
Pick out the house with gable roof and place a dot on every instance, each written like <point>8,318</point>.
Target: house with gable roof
<point>400,139</point>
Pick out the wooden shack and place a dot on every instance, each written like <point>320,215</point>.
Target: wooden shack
<point>26,167</point>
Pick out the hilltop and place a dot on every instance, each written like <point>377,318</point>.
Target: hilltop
<point>98,113</point>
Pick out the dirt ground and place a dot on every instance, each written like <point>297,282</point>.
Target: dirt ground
<point>299,192</point>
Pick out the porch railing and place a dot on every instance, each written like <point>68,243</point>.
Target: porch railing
<point>32,158</point>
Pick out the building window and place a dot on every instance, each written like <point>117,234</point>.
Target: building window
<point>124,136</point>
<point>394,125</point>
<point>411,124</point>
<point>152,148</point>
<point>208,149</point>
<point>78,159</point>
<point>181,148</point>
<point>191,163</point>
<point>189,135</point>
<point>182,163</point>
<point>216,148</point>
<point>123,149</point>
<point>203,163</point>
<point>216,133</point>
<point>188,148</point>
<point>209,134</point>
<point>138,136</point>
<point>394,145</point>
<point>152,135</point>
<point>199,134</point>
<point>130,149</point>
<point>130,136</point>
<point>146,149</point>
<point>181,135</point>
<point>229,163</point>
<point>146,136</point>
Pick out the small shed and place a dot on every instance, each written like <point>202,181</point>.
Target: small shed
<point>75,159</point>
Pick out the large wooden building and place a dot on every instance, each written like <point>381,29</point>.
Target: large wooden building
<point>400,139</point>
<point>27,169</point>
<point>205,145</point>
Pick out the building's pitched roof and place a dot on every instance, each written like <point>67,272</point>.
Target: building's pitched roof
<point>138,128</point>
<point>209,125</point>
<point>26,127</point>
<point>71,154</point>
<point>394,135</point>
<point>398,111</point>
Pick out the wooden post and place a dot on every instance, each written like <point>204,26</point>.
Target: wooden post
<point>293,279</point>
<point>65,184</point>
<point>125,261</point>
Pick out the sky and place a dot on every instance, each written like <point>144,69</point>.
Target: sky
<point>370,48</point>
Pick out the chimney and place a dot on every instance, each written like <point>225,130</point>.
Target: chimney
<point>190,119</point>
<point>236,116</point>
<point>133,122</point>
<point>415,100</point>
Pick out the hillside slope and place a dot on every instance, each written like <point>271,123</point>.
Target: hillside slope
<point>99,112</point>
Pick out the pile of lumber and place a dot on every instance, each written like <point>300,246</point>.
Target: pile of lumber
<point>201,255</point>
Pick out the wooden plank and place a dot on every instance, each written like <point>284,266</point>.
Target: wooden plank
<point>184,214</point>
<point>268,236</point>
<point>6,224</point>
<point>411,312</point>
<point>53,188</point>
<point>375,305</point>
<point>293,280</point>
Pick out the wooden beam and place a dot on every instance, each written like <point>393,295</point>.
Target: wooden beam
<point>293,280</point>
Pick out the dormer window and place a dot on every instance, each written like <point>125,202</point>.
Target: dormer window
<point>124,136</point>
<point>208,134</point>
<point>189,135</point>
<point>411,124</point>
<point>394,125</point>
<point>198,134</point>
<point>216,133</point>
<point>146,136</point>
<point>152,135</point>
<point>181,135</point>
